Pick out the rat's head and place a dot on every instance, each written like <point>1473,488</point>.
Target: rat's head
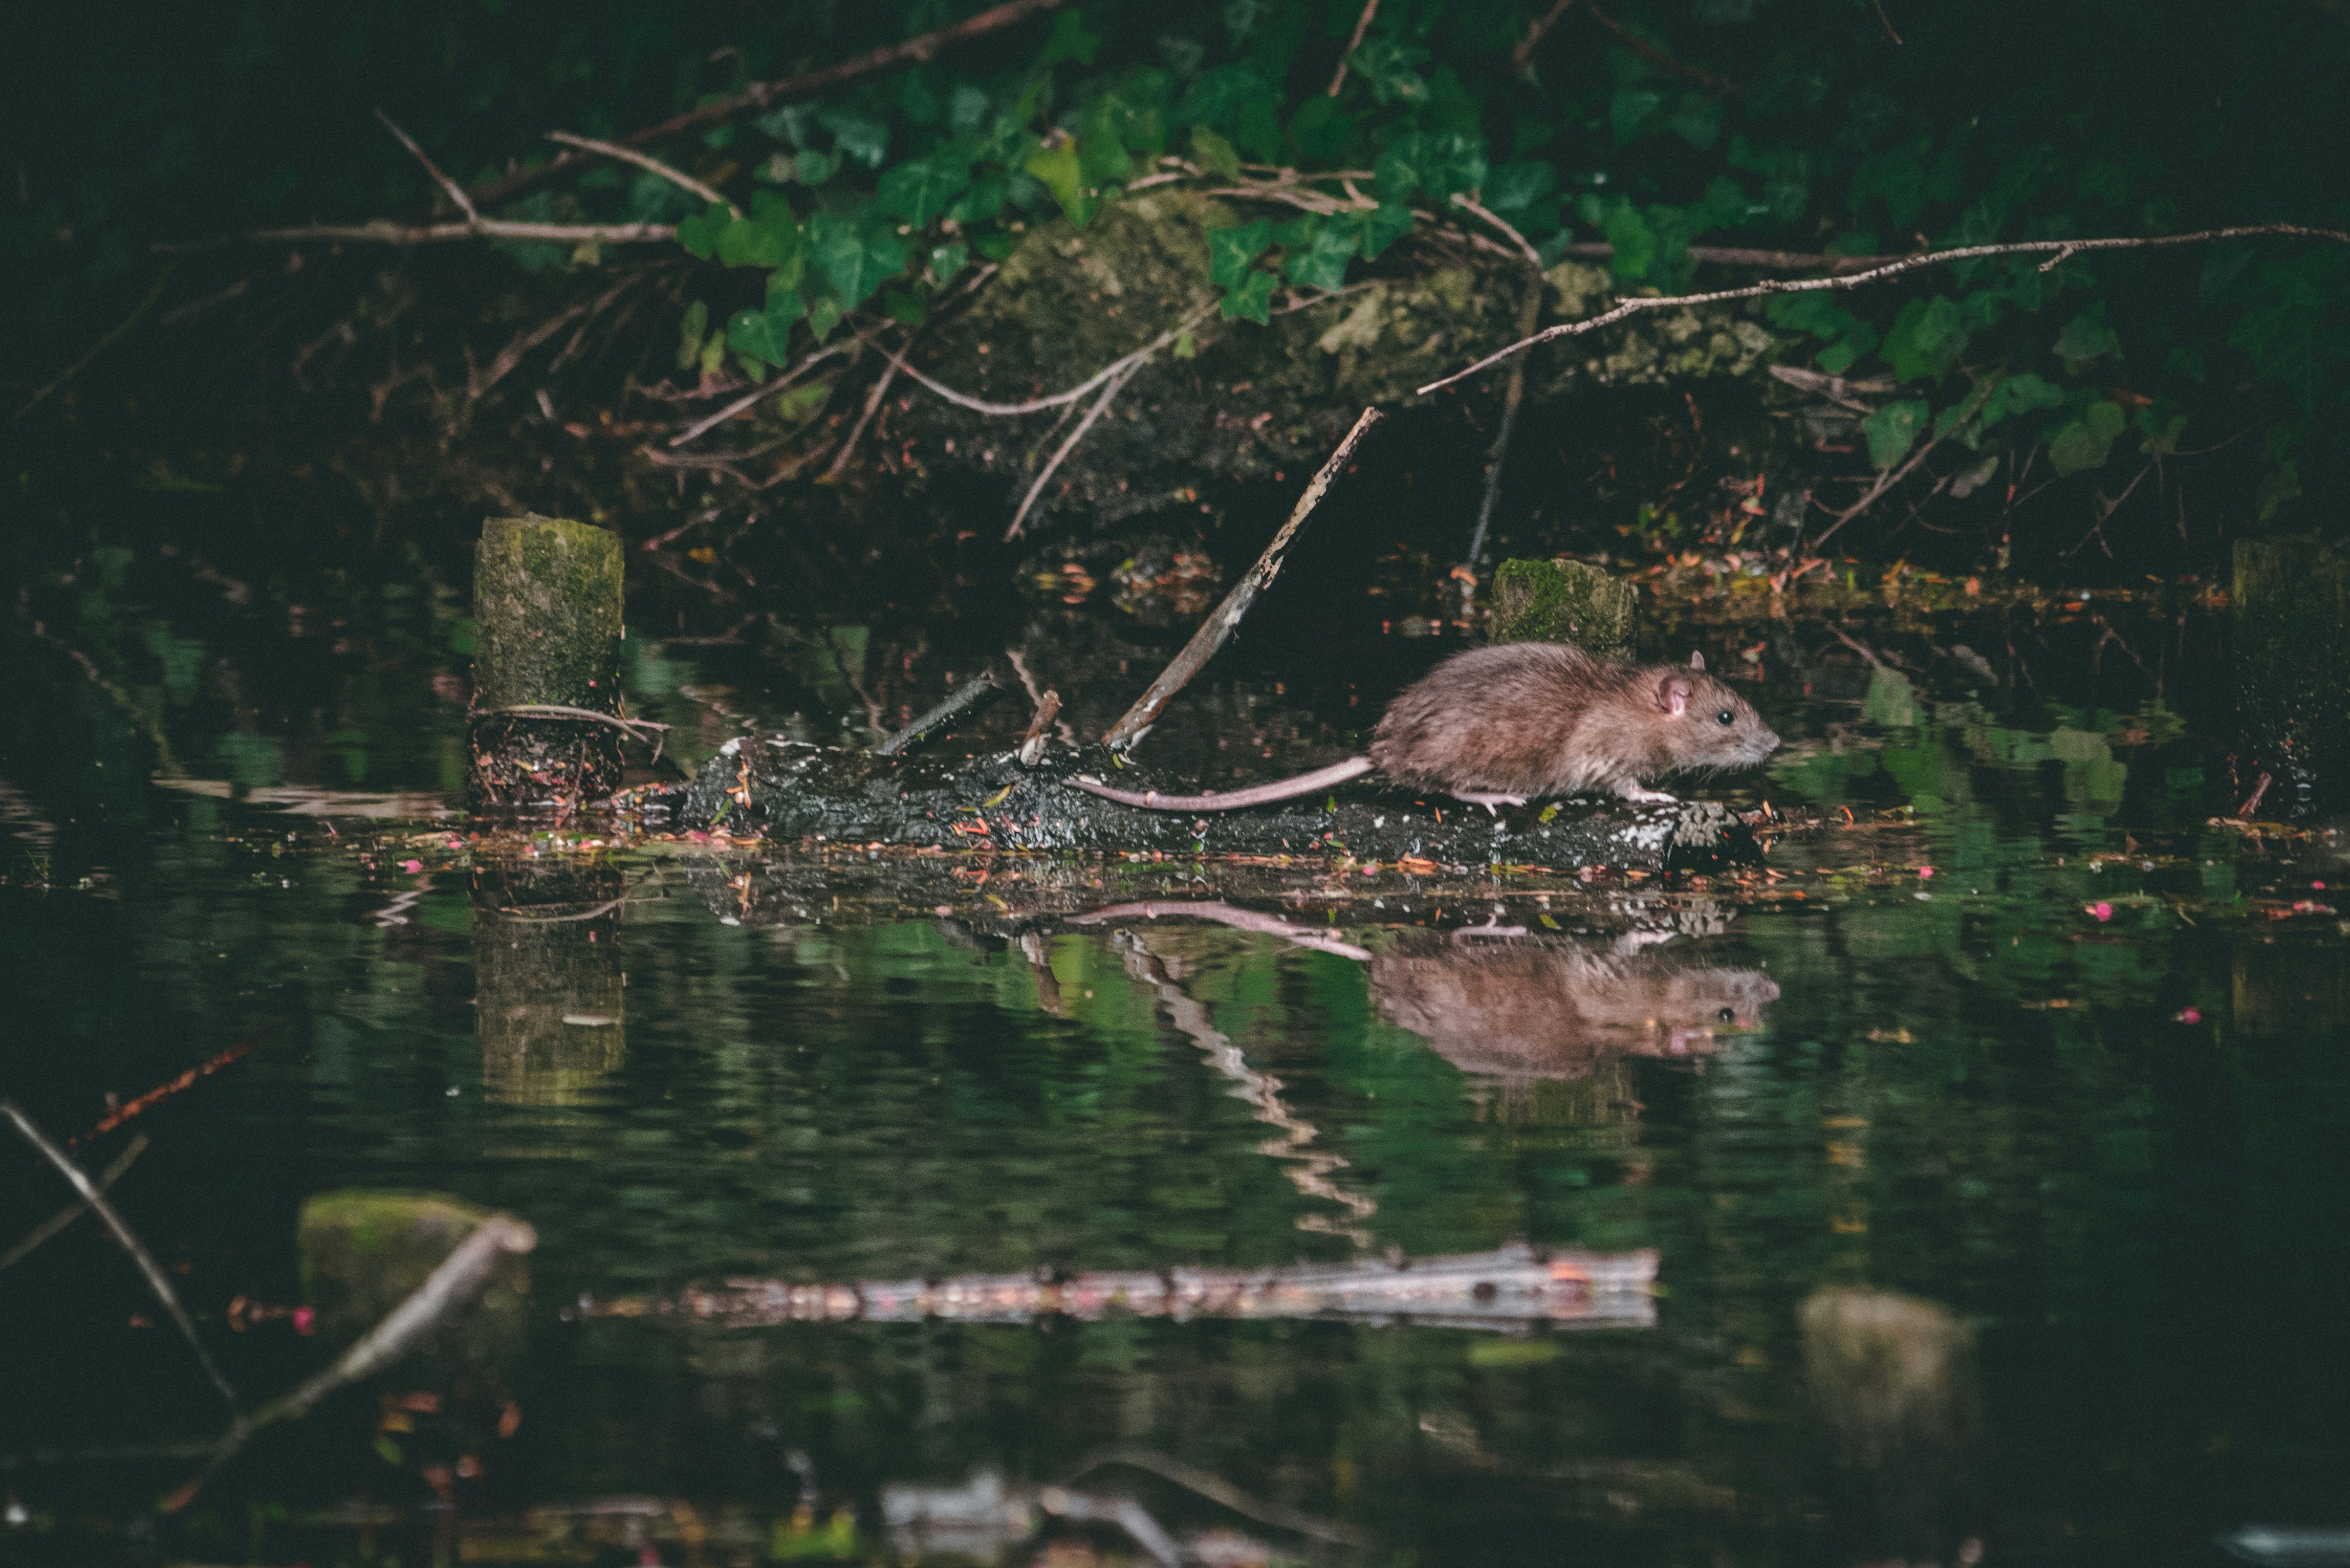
<point>1705,724</point>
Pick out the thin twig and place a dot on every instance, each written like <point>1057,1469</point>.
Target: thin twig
<point>560,711</point>
<point>101,346</point>
<point>1525,49</point>
<point>385,232</point>
<point>808,84</point>
<point>77,1208</point>
<point>769,390</point>
<point>1038,405</point>
<point>124,1238</point>
<point>1216,1490</point>
<point>1656,56</point>
<point>647,161</point>
<point>1028,502</point>
<point>1886,480</point>
<point>1362,26</point>
<point>1887,20</point>
<point>1137,719</point>
<point>1528,313</point>
<point>968,695</point>
<point>1032,744</point>
<point>1896,268</point>
<point>1533,258</point>
<point>457,192</point>
<point>878,390</point>
<point>460,1275</point>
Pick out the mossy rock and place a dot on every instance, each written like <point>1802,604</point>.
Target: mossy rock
<point>1564,601</point>
<point>364,1252</point>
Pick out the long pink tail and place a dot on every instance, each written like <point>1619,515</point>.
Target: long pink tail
<point>1232,800</point>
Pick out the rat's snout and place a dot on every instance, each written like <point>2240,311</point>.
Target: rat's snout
<point>1765,742</point>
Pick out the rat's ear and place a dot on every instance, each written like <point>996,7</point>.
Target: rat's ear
<point>1697,661</point>
<point>1673,694</point>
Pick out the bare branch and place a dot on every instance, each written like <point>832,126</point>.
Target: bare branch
<point>77,1208</point>
<point>383,230</point>
<point>1462,202</point>
<point>124,1238</point>
<point>1886,480</point>
<point>1624,308</point>
<point>1213,632</point>
<point>1656,56</point>
<point>457,192</point>
<point>1058,399</point>
<point>879,390</point>
<point>647,161</point>
<point>808,84</point>
<point>1134,362</point>
<point>1362,26</point>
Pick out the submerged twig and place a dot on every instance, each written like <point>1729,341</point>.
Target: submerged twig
<point>1137,719</point>
<point>1891,269</point>
<point>1216,1490</point>
<point>967,696</point>
<point>460,1275</point>
<point>77,1208</point>
<point>125,1238</point>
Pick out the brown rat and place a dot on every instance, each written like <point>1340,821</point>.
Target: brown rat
<point>1497,726</point>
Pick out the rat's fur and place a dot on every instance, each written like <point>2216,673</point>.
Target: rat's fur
<point>1526,719</point>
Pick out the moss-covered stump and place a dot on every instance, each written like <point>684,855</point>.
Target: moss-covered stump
<point>791,791</point>
<point>2291,601</point>
<point>363,1252</point>
<point>549,999</point>
<point>1564,601</point>
<point>546,620</point>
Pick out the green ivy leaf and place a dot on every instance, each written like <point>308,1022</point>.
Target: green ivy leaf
<point>1213,150</point>
<point>814,168</point>
<point>1631,109</point>
<point>855,261</point>
<point>1391,68</point>
<point>1102,157</point>
<point>2086,340</point>
<point>1439,164</point>
<point>2088,441</point>
<point>1250,299</point>
<point>1513,188</point>
<point>690,333</point>
<point>1321,131</point>
<point>1230,251</point>
<point>2023,393</point>
<point>990,188</point>
<point>1071,40</point>
<point>766,334</point>
<point>1323,264</point>
<point>906,308</point>
<point>769,240</point>
<point>1892,429</point>
<point>824,315</point>
<point>948,260</point>
<point>700,234</point>
<point>1636,242</point>
<point>1927,339</point>
<point>1062,174</point>
<point>802,402</point>
<point>923,189</point>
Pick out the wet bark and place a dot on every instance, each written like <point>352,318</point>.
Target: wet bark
<point>547,618</point>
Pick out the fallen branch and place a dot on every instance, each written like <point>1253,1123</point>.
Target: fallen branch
<point>873,396</point>
<point>77,1208</point>
<point>647,161</point>
<point>1542,24</point>
<point>1534,259</point>
<point>808,84</point>
<point>461,1274</point>
<point>1130,729</point>
<point>1058,399</point>
<point>125,1238</point>
<point>969,695</point>
<point>383,230</point>
<point>1878,274</point>
<point>630,727</point>
<point>457,192</point>
<point>1027,503</point>
<point>101,346</point>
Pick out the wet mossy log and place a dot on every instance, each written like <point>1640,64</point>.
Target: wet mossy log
<point>791,791</point>
<point>1564,601</point>
<point>546,618</point>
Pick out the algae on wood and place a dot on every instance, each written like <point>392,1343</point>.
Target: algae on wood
<point>546,618</point>
<point>362,1252</point>
<point>1564,601</point>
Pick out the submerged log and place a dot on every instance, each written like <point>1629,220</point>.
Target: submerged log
<point>545,728</point>
<point>791,791</point>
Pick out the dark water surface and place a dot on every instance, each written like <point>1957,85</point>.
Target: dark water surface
<point>2080,1094</point>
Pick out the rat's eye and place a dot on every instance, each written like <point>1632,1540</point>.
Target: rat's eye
<point>1725,718</point>
<point>1727,1016</point>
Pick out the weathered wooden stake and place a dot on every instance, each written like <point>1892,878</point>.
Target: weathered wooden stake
<point>1564,601</point>
<point>547,618</point>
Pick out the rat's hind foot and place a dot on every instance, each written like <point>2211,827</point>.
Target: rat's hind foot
<point>1489,801</point>
<point>1640,796</point>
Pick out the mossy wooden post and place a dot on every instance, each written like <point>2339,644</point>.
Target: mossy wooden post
<point>547,618</point>
<point>1564,601</point>
<point>549,995</point>
<point>2291,600</point>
